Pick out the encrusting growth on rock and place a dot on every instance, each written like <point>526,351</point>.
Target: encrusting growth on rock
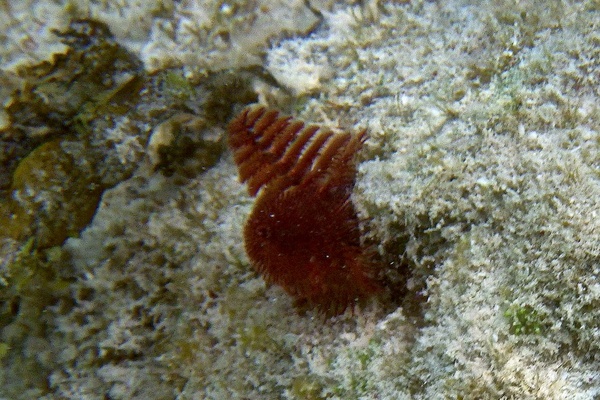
<point>303,231</point>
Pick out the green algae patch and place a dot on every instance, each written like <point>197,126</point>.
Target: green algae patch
<point>524,320</point>
<point>4,348</point>
<point>308,387</point>
<point>35,287</point>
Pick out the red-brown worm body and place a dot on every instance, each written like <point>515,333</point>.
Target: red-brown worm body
<point>303,232</point>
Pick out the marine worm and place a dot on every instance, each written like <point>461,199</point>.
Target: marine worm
<point>303,232</point>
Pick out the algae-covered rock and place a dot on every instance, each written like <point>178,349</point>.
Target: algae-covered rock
<point>51,181</point>
<point>51,175</point>
<point>177,146</point>
<point>53,196</point>
<point>95,77</point>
